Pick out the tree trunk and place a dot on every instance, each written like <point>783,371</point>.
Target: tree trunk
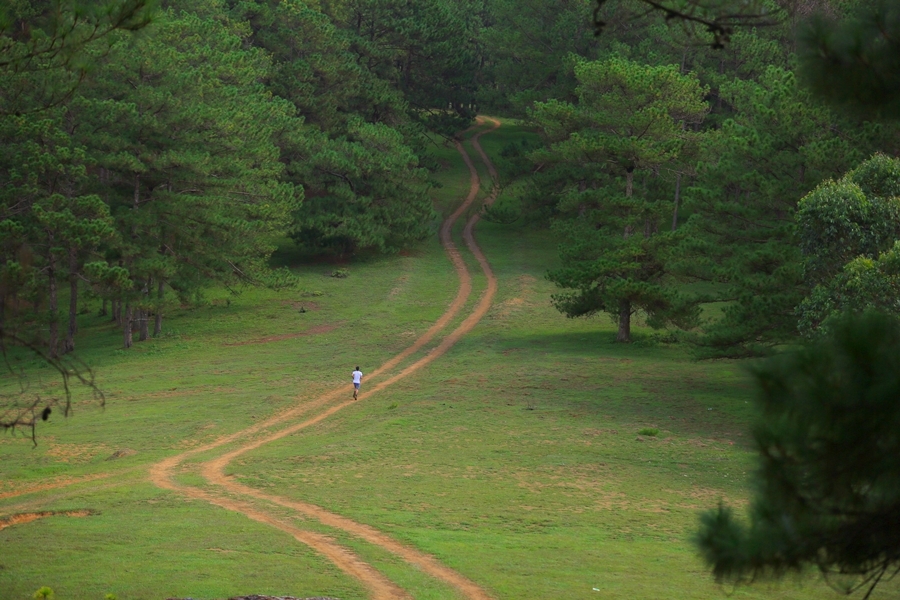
<point>677,198</point>
<point>406,71</point>
<point>73,302</point>
<point>102,308</point>
<point>53,342</point>
<point>629,186</point>
<point>157,327</point>
<point>127,322</point>
<point>624,333</point>
<point>143,319</point>
<point>117,311</point>
<point>144,313</point>
<point>137,191</point>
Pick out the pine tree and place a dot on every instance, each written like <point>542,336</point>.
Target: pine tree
<point>44,200</point>
<point>853,60</point>
<point>827,492</point>
<point>365,191</point>
<point>630,120</point>
<point>185,133</point>
<point>364,187</point>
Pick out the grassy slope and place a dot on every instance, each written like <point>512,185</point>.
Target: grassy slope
<point>515,458</point>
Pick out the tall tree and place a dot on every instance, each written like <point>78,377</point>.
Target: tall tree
<point>354,158</point>
<point>630,119</point>
<point>185,133</point>
<point>44,200</point>
<point>527,48</point>
<point>365,191</point>
<point>425,49</point>
<point>44,48</point>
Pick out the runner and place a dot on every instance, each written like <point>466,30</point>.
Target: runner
<point>357,379</point>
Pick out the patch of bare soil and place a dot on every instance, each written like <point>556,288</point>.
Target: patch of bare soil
<point>287,336</point>
<point>399,287</point>
<point>22,518</point>
<point>121,453</point>
<point>75,453</point>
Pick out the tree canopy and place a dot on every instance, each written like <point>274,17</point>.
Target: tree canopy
<point>828,480</point>
<point>630,120</point>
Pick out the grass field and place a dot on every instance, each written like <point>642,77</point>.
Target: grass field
<point>515,459</point>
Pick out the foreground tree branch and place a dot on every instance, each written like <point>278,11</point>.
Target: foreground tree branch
<point>715,18</point>
<point>24,408</point>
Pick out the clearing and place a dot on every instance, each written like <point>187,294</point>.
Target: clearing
<point>495,450</point>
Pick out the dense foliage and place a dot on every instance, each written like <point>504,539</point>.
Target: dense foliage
<point>630,121</point>
<point>827,482</point>
<point>728,174</point>
<point>141,167</point>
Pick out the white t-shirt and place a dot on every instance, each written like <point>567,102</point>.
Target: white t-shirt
<point>357,376</point>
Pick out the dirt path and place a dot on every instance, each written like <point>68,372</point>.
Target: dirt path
<point>159,472</point>
<point>380,588</point>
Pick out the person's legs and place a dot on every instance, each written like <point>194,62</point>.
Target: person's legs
<point>355,390</point>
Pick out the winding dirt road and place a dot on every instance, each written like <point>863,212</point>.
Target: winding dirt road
<point>380,588</point>
<point>245,500</point>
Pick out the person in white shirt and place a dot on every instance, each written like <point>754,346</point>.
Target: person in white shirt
<point>357,379</point>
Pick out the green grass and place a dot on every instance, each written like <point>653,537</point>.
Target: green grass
<point>147,544</point>
<point>516,458</point>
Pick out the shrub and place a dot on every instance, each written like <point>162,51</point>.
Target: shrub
<point>43,593</point>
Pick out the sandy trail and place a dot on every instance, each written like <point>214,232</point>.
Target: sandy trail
<point>159,471</point>
<point>380,588</point>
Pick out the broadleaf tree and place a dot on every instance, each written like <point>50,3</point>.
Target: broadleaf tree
<point>848,232</point>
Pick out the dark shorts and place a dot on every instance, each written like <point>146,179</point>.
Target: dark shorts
<point>356,385</point>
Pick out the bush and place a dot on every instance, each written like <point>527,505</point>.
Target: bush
<point>43,593</point>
